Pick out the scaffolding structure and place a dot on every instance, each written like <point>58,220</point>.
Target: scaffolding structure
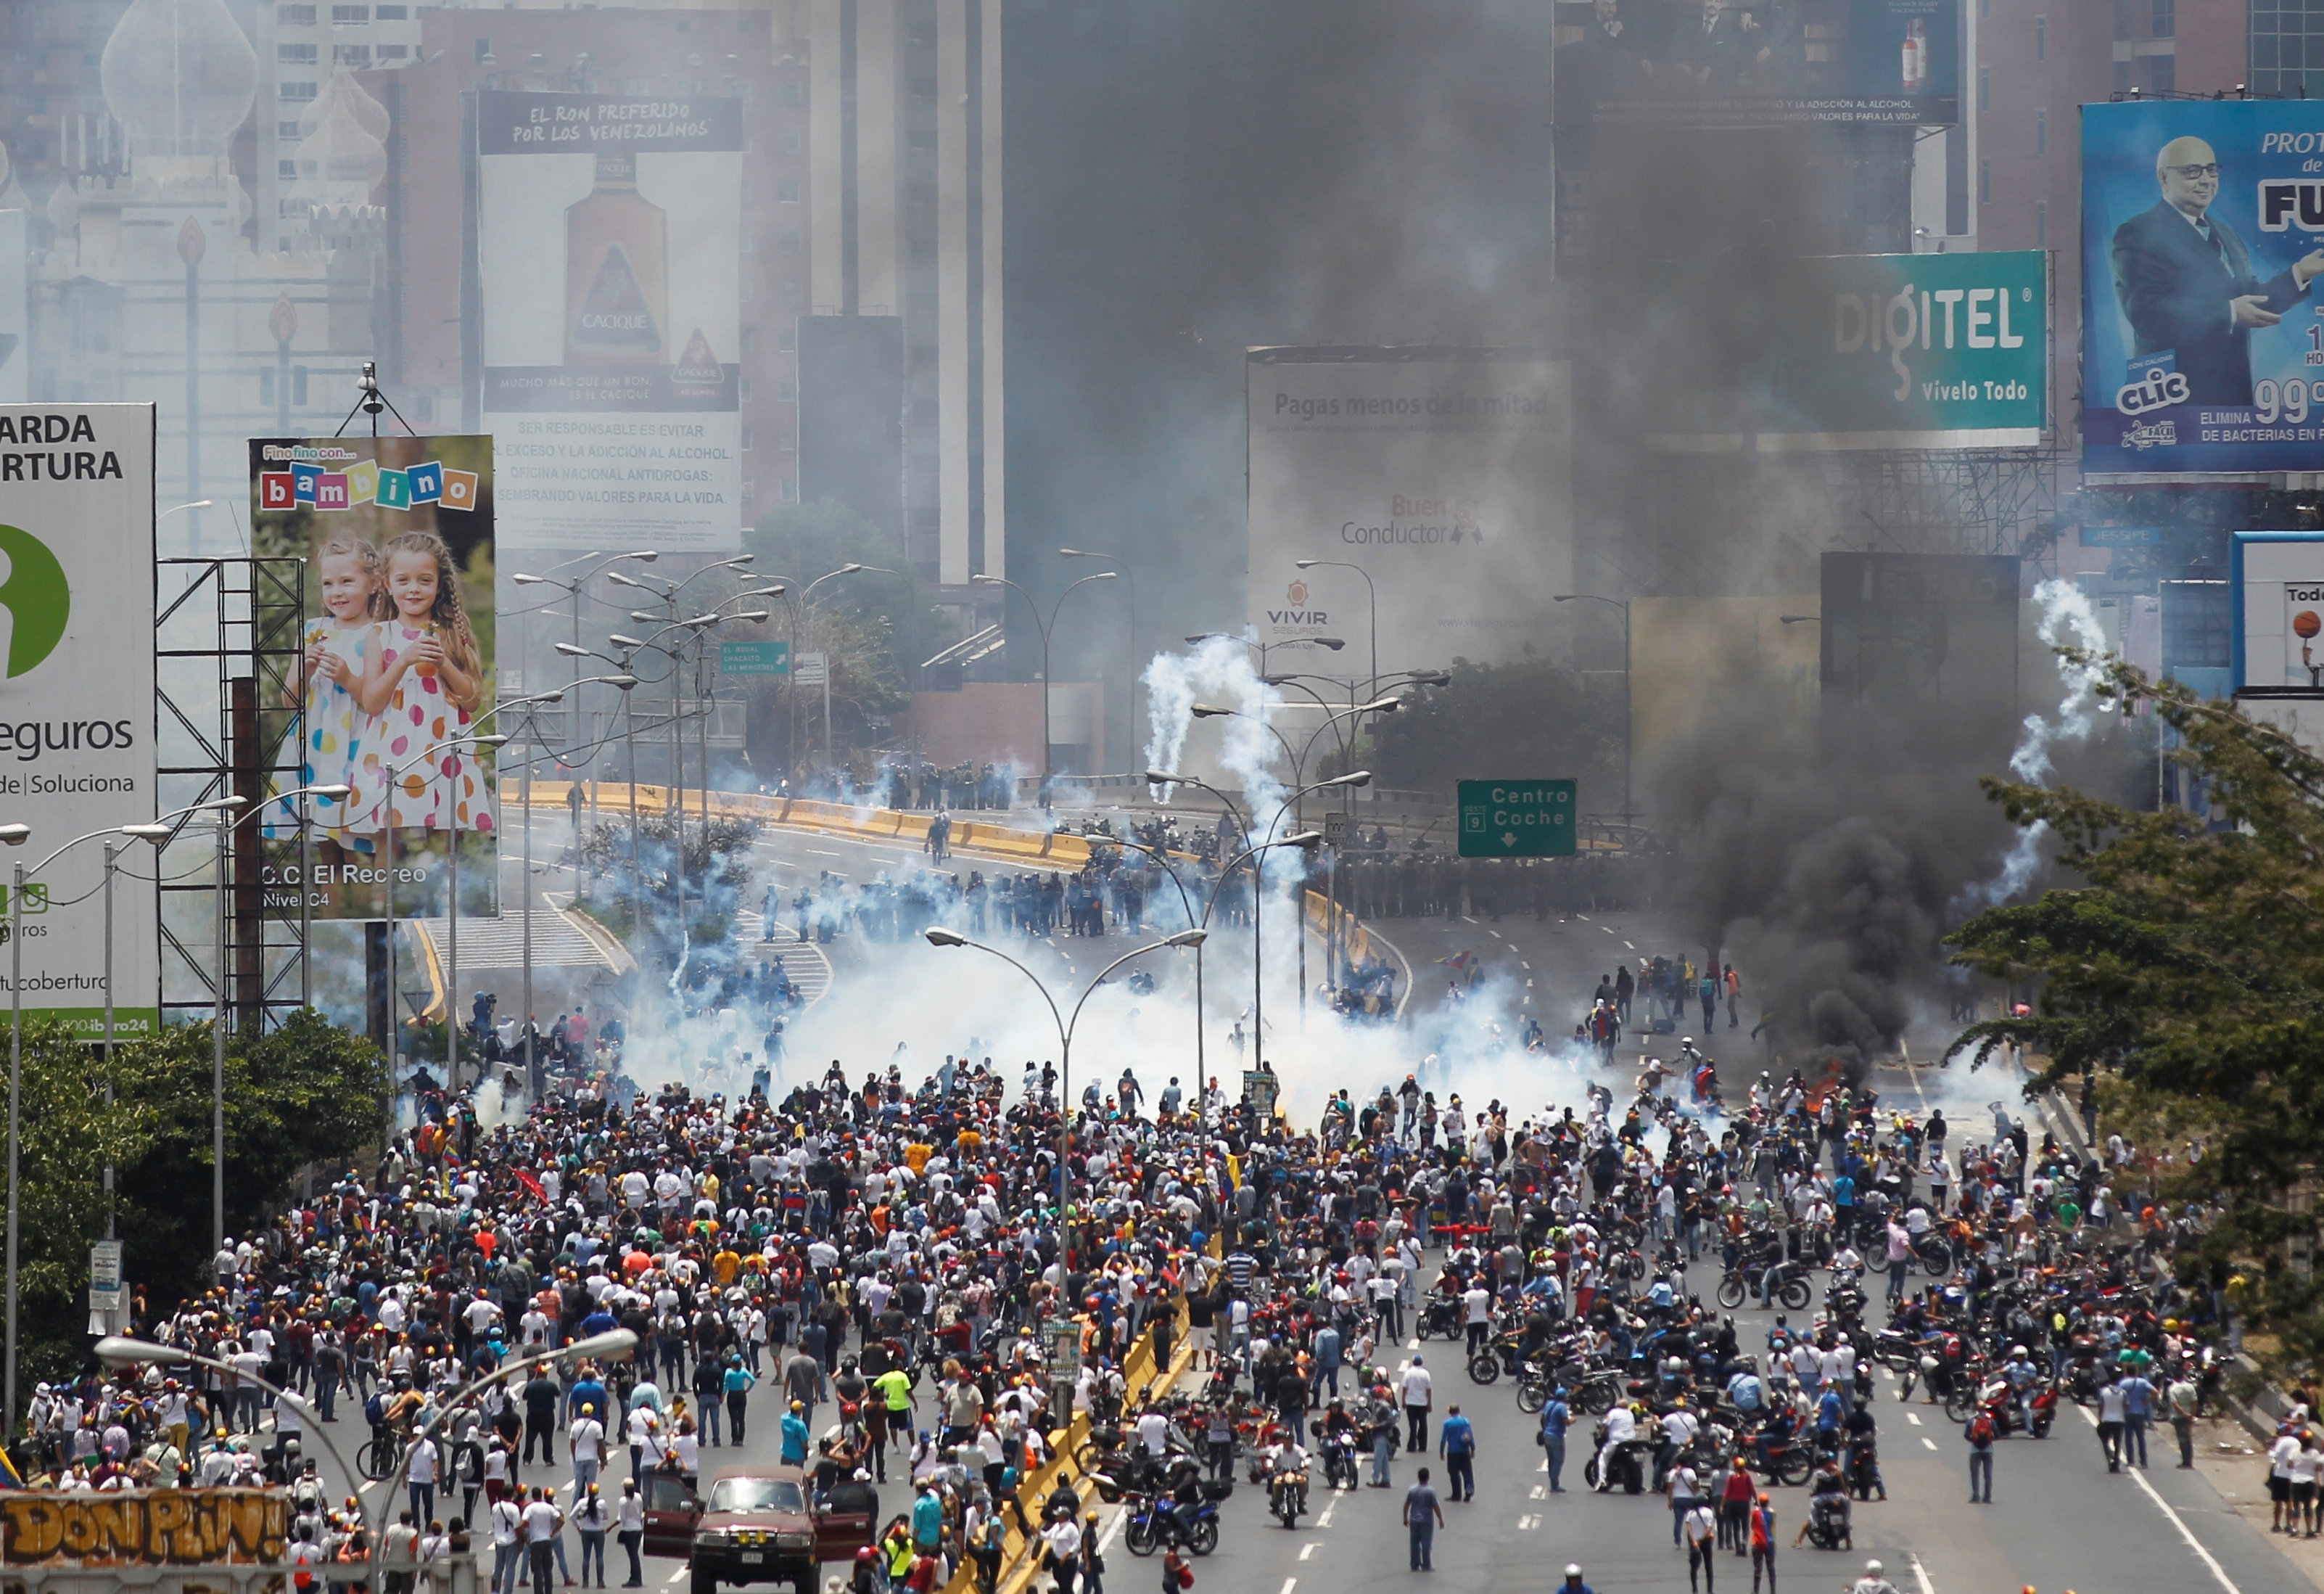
<point>228,636</point>
<point>1946,500</point>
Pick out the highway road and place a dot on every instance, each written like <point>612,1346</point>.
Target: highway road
<point>2060,1521</point>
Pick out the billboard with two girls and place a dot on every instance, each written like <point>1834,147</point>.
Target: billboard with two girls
<point>395,676</point>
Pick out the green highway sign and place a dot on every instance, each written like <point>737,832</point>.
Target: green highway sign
<point>754,658</point>
<point>1517,819</point>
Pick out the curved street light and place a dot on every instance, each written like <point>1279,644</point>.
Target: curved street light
<point>938,936</point>
<point>613,1345</point>
<point>1044,625</point>
<point>120,1351</point>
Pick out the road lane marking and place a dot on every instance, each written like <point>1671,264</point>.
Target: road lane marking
<point>820,853</point>
<point>1308,1549</point>
<point>1527,1523</point>
<point>1289,1584</point>
<point>1913,1418</point>
<point>1537,1493</point>
<point>1929,1442</point>
<point>1922,1573</point>
<point>1523,964</point>
<point>2138,1477</point>
<point>1495,934</point>
<point>677,1577</point>
<point>1529,985</point>
<point>1325,1519</point>
<point>1631,944</point>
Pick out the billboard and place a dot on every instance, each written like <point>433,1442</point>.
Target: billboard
<point>1444,474</point>
<point>1921,632</point>
<point>609,247</point>
<point>1741,64</point>
<point>2202,346</point>
<point>396,668</point>
<point>1865,351</point>
<point>77,702</point>
<point>2275,584</point>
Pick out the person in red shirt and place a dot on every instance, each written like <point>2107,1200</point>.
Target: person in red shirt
<point>1763,1544</point>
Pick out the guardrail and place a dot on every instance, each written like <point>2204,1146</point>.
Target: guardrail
<point>1020,1555</point>
<point>867,823</point>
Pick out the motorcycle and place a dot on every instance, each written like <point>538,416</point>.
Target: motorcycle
<point>1864,1467</point>
<point>1994,1397</point>
<point>1439,1318</point>
<point>1786,1286</point>
<point>1339,1461</point>
<point>1632,1463</point>
<point>1287,1496</point>
<point>1828,1522</point>
<point>1785,1460</point>
<point>1156,1523</point>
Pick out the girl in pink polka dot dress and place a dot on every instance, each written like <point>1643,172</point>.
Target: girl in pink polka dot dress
<point>422,686</point>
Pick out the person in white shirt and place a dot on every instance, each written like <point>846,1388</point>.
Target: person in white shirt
<point>542,1525</point>
<point>419,1471</point>
<point>508,1544</point>
<point>1621,1427</point>
<point>587,1435</point>
<point>629,1530</point>
<point>1417,1391</point>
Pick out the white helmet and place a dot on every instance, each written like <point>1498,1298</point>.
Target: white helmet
<point>1573,1569</point>
<point>1872,1568</point>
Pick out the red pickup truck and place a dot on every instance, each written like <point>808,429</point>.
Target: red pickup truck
<point>758,1525</point>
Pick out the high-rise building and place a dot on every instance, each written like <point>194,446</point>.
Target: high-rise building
<point>905,158</point>
<point>145,282</point>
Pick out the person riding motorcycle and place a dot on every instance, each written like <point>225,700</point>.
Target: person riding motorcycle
<point>1183,1494</point>
<point>2023,1376</point>
<point>1339,1433</point>
<point>1286,1467</point>
<point>1872,1582</point>
<point>1621,1428</point>
<point>1776,1430</point>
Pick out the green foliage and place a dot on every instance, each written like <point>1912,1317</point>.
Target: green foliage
<point>69,1136</point>
<point>1495,721</point>
<point>307,1092</point>
<point>2189,962</point>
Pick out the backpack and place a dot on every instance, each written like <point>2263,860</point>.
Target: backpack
<point>1980,1431</point>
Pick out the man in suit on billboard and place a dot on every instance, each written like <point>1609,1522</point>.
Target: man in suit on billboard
<point>2184,280</point>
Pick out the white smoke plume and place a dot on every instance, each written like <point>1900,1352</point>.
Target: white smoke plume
<point>2067,619</point>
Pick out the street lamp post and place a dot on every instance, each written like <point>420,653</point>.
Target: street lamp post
<point>1129,578</point>
<point>452,897</point>
<point>1371,595</point>
<point>17,836</point>
<point>939,937</point>
<point>613,1345</point>
<point>1044,625</point>
<point>573,589</point>
<point>790,691</point>
<point>118,1352</point>
<point>1187,903</point>
<point>1624,605</point>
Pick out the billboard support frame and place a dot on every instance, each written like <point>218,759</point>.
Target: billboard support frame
<point>259,614</point>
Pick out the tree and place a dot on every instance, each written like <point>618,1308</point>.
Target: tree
<point>1527,718</point>
<point>69,1136</point>
<point>874,627</point>
<point>2188,964</point>
<point>308,1092</point>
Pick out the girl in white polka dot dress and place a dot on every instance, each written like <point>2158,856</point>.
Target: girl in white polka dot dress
<point>332,662</point>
